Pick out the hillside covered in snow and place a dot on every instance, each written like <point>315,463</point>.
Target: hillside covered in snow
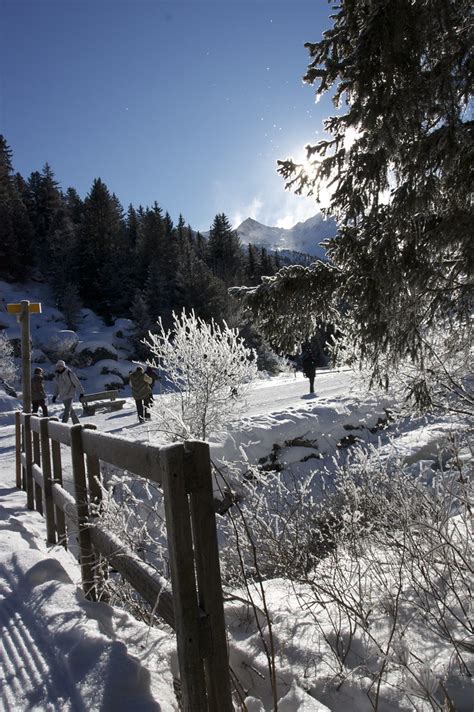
<point>304,237</point>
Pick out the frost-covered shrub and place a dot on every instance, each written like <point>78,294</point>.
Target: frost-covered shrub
<point>439,377</point>
<point>382,562</point>
<point>132,509</point>
<point>209,368</point>
<point>8,370</point>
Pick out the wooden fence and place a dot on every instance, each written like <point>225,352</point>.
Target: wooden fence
<point>193,604</point>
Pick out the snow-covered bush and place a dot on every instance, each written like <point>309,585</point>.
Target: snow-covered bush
<point>132,509</point>
<point>439,378</point>
<point>210,369</point>
<point>8,370</point>
<point>382,563</point>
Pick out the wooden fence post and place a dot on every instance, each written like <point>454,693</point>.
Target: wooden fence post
<point>86,552</point>
<point>58,477</point>
<point>199,481</point>
<point>95,499</point>
<point>93,474</point>
<point>47,479</point>
<point>18,449</point>
<point>23,453</point>
<point>186,612</point>
<point>30,497</point>
<point>37,461</point>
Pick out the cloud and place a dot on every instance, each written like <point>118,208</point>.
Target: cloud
<point>250,210</point>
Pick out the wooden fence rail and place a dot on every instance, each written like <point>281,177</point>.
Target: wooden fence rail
<point>193,603</point>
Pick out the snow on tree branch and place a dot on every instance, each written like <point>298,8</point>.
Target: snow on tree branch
<point>210,369</point>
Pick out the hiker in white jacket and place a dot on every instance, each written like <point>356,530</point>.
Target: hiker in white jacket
<point>65,387</point>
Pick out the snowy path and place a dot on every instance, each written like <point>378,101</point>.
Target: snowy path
<point>292,391</point>
<point>59,652</point>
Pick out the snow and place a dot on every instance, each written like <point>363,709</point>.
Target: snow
<point>304,237</point>
<point>59,651</point>
<point>96,344</point>
<point>89,349</point>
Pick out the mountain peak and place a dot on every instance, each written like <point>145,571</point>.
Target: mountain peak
<point>302,237</point>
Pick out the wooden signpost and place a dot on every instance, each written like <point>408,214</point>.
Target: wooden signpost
<point>23,311</point>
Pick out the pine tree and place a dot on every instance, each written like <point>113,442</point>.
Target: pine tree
<point>43,199</point>
<point>143,322</point>
<point>16,234</point>
<point>150,235</point>
<point>75,206</point>
<point>399,159</point>
<point>59,260</point>
<point>70,304</point>
<point>100,251</point>
<point>198,289</point>
<point>225,255</point>
<point>252,266</point>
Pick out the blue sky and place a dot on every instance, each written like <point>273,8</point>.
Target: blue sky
<point>186,103</point>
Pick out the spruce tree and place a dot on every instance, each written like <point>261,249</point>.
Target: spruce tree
<point>149,240</point>
<point>16,233</point>
<point>198,289</point>
<point>399,160</point>
<point>143,322</point>
<point>100,251</point>
<point>74,205</point>
<point>43,199</point>
<point>225,256</point>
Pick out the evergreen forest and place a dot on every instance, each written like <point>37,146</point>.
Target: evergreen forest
<point>135,263</point>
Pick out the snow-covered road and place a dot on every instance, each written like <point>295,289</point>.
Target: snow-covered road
<point>292,391</point>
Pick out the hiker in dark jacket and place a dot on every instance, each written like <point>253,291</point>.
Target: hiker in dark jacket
<point>141,391</point>
<point>309,368</point>
<point>38,394</point>
<point>155,376</point>
<point>65,388</point>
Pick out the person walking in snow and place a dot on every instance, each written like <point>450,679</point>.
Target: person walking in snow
<point>149,371</point>
<point>309,367</point>
<point>38,394</point>
<point>65,388</point>
<point>141,391</point>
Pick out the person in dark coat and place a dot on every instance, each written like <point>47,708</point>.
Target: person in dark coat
<point>38,394</point>
<point>149,371</point>
<point>309,368</point>
<point>141,391</point>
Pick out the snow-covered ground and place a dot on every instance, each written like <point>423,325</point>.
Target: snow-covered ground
<point>60,652</point>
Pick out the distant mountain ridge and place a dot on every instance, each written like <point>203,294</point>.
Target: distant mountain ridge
<point>304,237</point>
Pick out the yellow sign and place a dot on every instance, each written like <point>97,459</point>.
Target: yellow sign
<point>33,308</point>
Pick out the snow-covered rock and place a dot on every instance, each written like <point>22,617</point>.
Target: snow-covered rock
<point>8,406</point>
<point>38,356</point>
<point>123,327</point>
<point>90,352</point>
<point>56,343</point>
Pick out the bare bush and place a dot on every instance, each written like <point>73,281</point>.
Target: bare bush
<point>381,561</point>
